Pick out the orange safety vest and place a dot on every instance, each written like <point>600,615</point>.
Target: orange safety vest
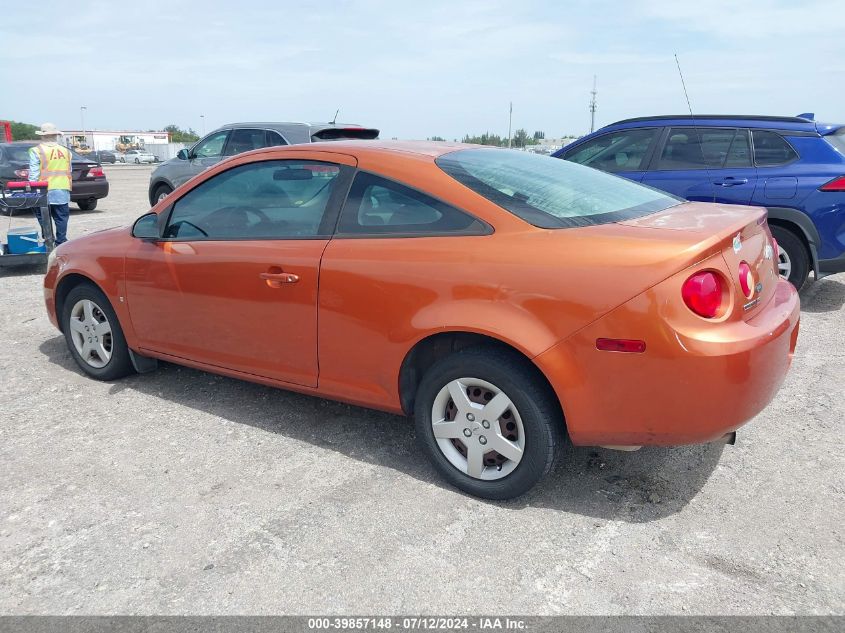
<point>55,165</point>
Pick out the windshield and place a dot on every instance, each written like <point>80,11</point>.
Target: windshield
<point>549,192</point>
<point>837,140</point>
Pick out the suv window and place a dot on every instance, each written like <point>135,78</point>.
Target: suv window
<point>624,150</point>
<point>379,206</point>
<point>771,149</point>
<point>702,148</point>
<point>274,139</point>
<point>276,199</point>
<point>244,140</point>
<point>212,146</point>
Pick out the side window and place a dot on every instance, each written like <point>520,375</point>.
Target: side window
<point>212,146</point>
<point>274,139</point>
<point>377,206</point>
<point>691,148</point>
<point>244,140</point>
<point>276,199</point>
<point>771,149</point>
<point>739,154</point>
<point>625,150</point>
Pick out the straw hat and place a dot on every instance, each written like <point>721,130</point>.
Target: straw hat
<point>48,129</point>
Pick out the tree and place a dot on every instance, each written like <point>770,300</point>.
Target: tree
<point>435,138</point>
<point>485,139</point>
<point>520,138</point>
<point>539,135</point>
<point>23,131</point>
<point>178,135</point>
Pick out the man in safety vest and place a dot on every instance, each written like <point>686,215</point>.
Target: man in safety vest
<point>51,162</point>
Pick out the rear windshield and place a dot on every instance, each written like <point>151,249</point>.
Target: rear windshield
<point>837,140</point>
<point>17,153</point>
<point>552,193</point>
<point>344,134</point>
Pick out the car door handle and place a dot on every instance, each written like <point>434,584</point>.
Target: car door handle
<point>731,182</point>
<point>275,279</point>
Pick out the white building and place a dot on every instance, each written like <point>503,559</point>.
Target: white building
<point>114,140</point>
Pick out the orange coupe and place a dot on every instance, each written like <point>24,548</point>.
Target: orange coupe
<point>500,297</point>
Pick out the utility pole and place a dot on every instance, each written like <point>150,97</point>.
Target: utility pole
<point>202,118</point>
<point>593,106</point>
<point>510,119</point>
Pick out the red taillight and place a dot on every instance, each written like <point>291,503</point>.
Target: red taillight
<point>837,184</point>
<point>703,294</point>
<point>96,172</point>
<point>746,279</point>
<point>22,173</point>
<point>620,345</point>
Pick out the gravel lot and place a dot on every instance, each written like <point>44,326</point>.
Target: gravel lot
<point>180,492</point>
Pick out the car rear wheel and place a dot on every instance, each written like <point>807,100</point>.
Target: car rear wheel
<point>161,192</point>
<point>87,205</point>
<point>137,161</point>
<point>488,422</point>
<point>93,334</point>
<point>793,259</point>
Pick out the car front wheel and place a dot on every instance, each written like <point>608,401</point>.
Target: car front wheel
<point>93,334</point>
<point>488,421</point>
<point>161,192</point>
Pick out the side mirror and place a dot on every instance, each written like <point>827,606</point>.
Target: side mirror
<point>183,154</point>
<point>146,227</point>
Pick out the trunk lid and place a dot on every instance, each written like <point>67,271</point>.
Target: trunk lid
<point>739,233</point>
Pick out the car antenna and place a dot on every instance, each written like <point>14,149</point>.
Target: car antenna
<point>334,120</point>
<point>695,127</point>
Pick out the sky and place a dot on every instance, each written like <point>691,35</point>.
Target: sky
<point>417,69</point>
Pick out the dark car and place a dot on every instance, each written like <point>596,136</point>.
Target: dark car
<point>89,180</point>
<point>237,138</point>
<point>104,156</point>
<point>793,166</point>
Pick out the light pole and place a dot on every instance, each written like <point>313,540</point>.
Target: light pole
<point>510,119</point>
<point>202,118</point>
<point>82,110</point>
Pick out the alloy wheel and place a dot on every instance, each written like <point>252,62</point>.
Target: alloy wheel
<point>91,333</point>
<point>784,263</point>
<point>478,428</point>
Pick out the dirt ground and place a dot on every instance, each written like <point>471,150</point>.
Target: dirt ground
<point>180,492</point>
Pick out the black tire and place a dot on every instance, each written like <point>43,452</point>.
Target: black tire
<point>87,205</point>
<point>160,190</point>
<point>796,251</point>
<point>137,161</point>
<point>536,404</point>
<point>120,363</point>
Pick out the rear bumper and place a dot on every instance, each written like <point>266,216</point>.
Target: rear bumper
<point>85,190</point>
<point>685,389</point>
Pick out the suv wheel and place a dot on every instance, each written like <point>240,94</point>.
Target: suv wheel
<point>87,205</point>
<point>793,258</point>
<point>161,192</point>
<point>488,422</point>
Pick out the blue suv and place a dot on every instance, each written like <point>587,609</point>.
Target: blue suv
<point>793,166</point>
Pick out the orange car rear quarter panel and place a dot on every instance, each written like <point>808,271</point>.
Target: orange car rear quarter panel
<point>697,380</point>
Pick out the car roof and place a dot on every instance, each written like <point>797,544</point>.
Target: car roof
<point>281,125</point>
<point>431,149</point>
<point>783,123</point>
